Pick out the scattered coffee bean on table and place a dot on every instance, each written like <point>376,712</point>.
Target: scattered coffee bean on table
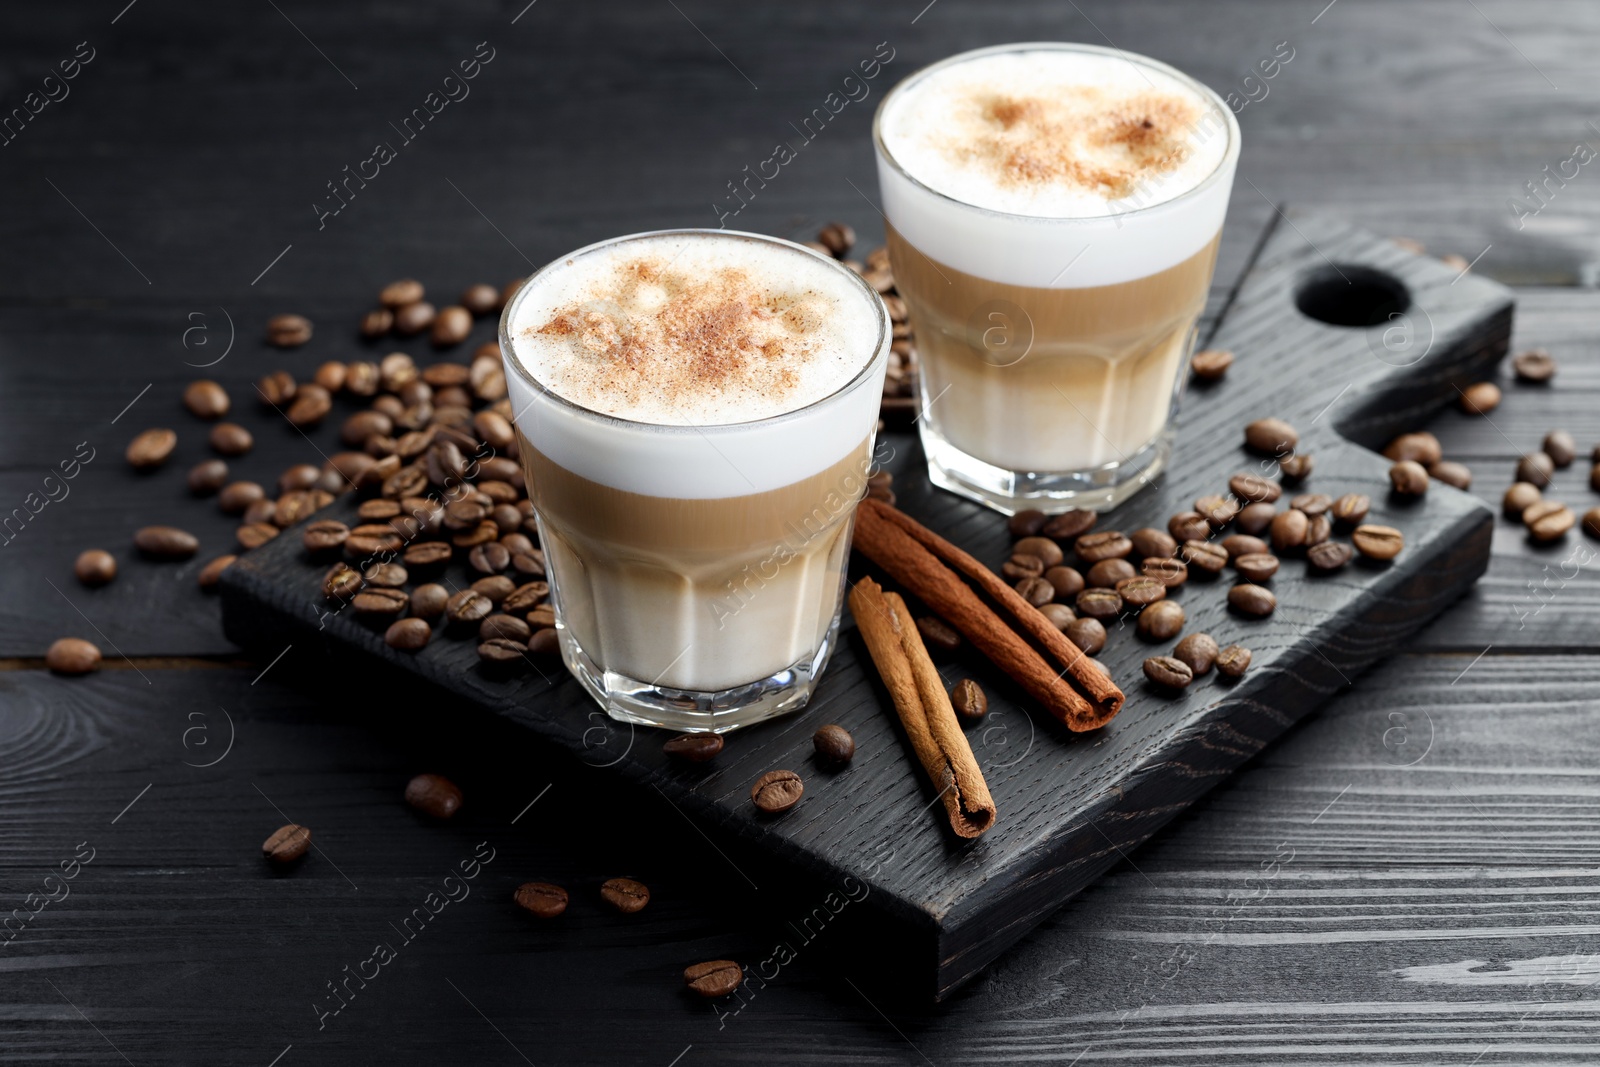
<point>1099,604</point>
<point>1560,447</point>
<point>1254,489</point>
<point>1169,572</point>
<point>1423,448</point>
<point>777,791</point>
<point>714,978</point>
<point>1217,510</point>
<point>541,898</point>
<point>1237,545</point>
<point>408,635</point>
<point>206,399</point>
<point>693,748</point>
<point>1151,543</point>
<point>1027,523</point>
<point>1105,544</point>
<point>1591,522</point>
<point>502,652</point>
<point>287,844</point>
<point>207,477</point>
<point>1296,468</point>
<point>1088,634</point>
<point>1480,399</point>
<point>834,745</point>
<point>151,449</point>
<point>1351,508</point>
<point>1329,555</point>
<point>1253,600</point>
<point>230,439</point>
<point>938,634</point>
<point>1168,671</point>
<point>1198,652</point>
<point>1060,615</point>
<point>1254,518</point>
<point>1036,591</point>
<point>545,642</point>
<point>1519,498</point>
<point>1188,526</point>
<point>1211,364</point>
<point>1020,567</point>
<point>288,331</point>
<point>625,894</point>
<point>95,567</point>
<point>1045,549</point>
<point>1108,573</point>
<point>1378,542</point>
<point>1257,566</point>
<point>167,543</point>
<point>1272,437</point>
<point>1289,530</point>
<point>1408,478</point>
<point>433,794</point>
<point>1548,520</point>
<point>210,575</point>
<point>1458,475</point>
<point>1204,556</point>
<point>1161,621</point>
<point>1233,661</point>
<point>1140,591</point>
<point>966,696</point>
<point>1534,366</point>
<point>72,655</point>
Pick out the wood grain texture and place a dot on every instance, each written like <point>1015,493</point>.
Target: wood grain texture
<point>1068,804</point>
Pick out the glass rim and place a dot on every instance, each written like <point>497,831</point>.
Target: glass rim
<point>1230,152</point>
<point>509,356</point>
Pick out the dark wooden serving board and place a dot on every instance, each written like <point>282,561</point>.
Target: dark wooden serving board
<point>1071,806</point>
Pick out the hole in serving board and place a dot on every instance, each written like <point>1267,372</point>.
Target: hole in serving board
<point>1348,295</point>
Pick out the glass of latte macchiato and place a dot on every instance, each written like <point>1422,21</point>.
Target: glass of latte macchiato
<point>1053,212</point>
<point>695,411</point>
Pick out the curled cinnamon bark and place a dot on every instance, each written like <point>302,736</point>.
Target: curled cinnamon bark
<point>931,569</point>
<point>923,706</point>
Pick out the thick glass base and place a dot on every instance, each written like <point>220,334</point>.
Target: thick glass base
<point>630,700</point>
<point>1008,492</point>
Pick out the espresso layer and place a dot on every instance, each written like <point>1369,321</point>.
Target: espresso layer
<point>696,594</point>
<point>1045,379</point>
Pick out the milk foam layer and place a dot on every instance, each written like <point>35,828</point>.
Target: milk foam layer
<point>1055,166</point>
<point>710,363</point>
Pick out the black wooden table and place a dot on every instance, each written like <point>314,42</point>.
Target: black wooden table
<point>1407,877</point>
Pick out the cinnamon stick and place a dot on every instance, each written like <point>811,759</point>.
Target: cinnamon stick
<point>917,558</point>
<point>923,706</point>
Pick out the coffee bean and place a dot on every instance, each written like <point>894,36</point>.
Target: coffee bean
<point>1027,523</point>
<point>1408,478</point>
<point>1378,542</point>
<point>526,596</point>
<point>408,635</point>
<point>1296,468</point>
<point>836,237</point>
<point>1106,544</point>
<point>1560,447</point>
<point>1423,448</point>
<point>1198,652</point>
<point>207,476</point>
<point>545,642</point>
<point>210,575</point>
<point>1289,530</point>
<point>1257,566</point>
<point>328,535</point>
<point>466,607</point>
<point>1066,581</point>
<point>1312,504</point>
<point>72,655</point>
<point>151,449</point>
<point>376,323</point>
<point>341,582</point>
<point>693,748</point>
<point>1254,488</point>
<point>1233,661</point>
<point>1088,634</point>
<point>1218,511</point>
<point>1548,520</point>
<point>481,299</point>
<point>288,331</point>
<point>1141,591</point>
<point>361,378</point>
<point>1189,526</point>
<point>428,601</point>
<point>330,375</point>
<point>1161,621</point>
<point>1042,547</point>
<point>255,534</point>
<point>777,791</point>
<point>507,626</point>
<point>1254,518</point>
<point>1536,469</point>
<point>206,399</point>
<point>1108,572</point>
<point>398,294</point>
<point>541,898</point>
<point>1019,567</point>
<point>1150,543</point>
<point>1237,545</point>
<point>1168,671</point>
<point>489,558</point>
<point>1036,591</point>
<point>1210,364</point>
<point>1329,555</point>
<point>451,326</point>
<point>1059,615</point>
<point>714,978</point>
<point>310,406</point>
<point>1099,604</point>
<point>1318,530</point>
<point>1480,399</point>
<point>1591,522</point>
<point>1458,475</point>
<point>380,601</point>
<point>1351,508</point>
<point>236,497</point>
<point>1074,522</point>
<point>433,794</point>
<point>165,543</point>
<point>1169,572</point>
<point>95,567</point>
<point>835,747</point>
<point>625,894</point>
<point>287,844</point>
<point>968,700</point>
<point>276,389</point>
<point>413,318</point>
<point>541,616</point>
<point>1204,556</point>
<point>1253,600</point>
<point>1272,437</point>
<point>1594,477</point>
<point>1534,366</point>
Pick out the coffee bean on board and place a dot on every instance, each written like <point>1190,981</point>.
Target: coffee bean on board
<point>1233,661</point>
<point>72,655</point>
<point>288,331</point>
<point>1329,555</point>
<point>1534,366</point>
<point>151,449</point>
<point>1480,398</point>
<point>1272,437</point>
<point>541,898</point>
<point>1168,671</point>
<point>693,748</point>
<point>1408,478</point>
<point>206,399</point>
<point>1351,508</point>
<point>1378,542</point>
<point>625,894</point>
<point>966,696</point>
<point>408,635</point>
<point>834,745</point>
<point>1161,621</point>
<point>777,791</point>
<point>287,844</point>
<point>1211,364</point>
<point>210,575</point>
<point>433,794</point>
<point>714,978</point>
<point>95,567</point>
<point>1088,634</point>
<point>1198,651</point>
<point>1253,600</point>
<point>165,543</point>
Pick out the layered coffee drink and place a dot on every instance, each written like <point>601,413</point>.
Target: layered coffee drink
<point>696,412</point>
<point>1054,212</point>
